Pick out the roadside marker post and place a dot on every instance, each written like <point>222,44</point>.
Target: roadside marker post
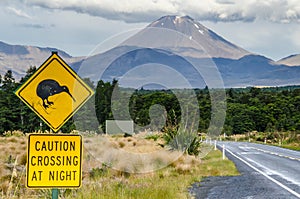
<point>223,152</point>
<point>215,145</point>
<point>54,92</point>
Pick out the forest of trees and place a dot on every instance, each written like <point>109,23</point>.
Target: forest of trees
<point>248,109</point>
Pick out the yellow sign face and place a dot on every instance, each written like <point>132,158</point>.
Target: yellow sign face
<point>54,160</point>
<point>54,92</point>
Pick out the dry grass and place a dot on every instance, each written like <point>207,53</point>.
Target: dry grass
<point>137,168</point>
<point>133,155</point>
<point>167,183</point>
<point>12,166</point>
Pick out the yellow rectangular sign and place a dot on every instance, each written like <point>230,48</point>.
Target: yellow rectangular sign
<point>54,161</point>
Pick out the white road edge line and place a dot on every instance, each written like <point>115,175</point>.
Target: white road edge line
<point>280,155</point>
<point>270,178</point>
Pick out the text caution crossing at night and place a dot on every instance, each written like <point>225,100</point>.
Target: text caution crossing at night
<point>54,161</point>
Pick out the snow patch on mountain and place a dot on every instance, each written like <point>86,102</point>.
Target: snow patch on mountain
<point>213,44</point>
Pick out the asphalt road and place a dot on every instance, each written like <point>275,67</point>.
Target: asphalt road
<point>266,172</point>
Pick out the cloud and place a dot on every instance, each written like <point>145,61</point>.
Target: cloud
<point>36,26</point>
<point>282,11</point>
<point>18,12</point>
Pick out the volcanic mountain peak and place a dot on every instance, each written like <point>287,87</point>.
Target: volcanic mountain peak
<point>184,24</point>
<point>213,44</point>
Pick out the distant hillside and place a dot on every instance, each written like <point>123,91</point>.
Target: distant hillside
<point>167,48</point>
<point>292,60</point>
<point>174,42</point>
<point>19,58</point>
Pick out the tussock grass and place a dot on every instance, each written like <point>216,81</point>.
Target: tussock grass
<point>170,182</point>
<point>12,165</point>
<point>142,168</point>
<point>127,176</point>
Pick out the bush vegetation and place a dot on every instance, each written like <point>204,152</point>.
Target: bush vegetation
<point>248,109</point>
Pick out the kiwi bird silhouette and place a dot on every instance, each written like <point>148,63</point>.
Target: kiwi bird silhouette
<point>50,87</point>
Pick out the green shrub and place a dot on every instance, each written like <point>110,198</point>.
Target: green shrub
<point>96,173</point>
<point>170,133</point>
<point>182,140</point>
<point>194,148</point>
<point>153,137</point>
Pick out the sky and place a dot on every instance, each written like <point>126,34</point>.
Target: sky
<point>267,27</point>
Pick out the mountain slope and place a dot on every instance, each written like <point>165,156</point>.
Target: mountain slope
<point>181,33</point>
<point>292,60</point>
<point>178,43</point>
<point>256,70</point>
<point>215,45</point>
<point>19,58</point>
<point>167,49</point>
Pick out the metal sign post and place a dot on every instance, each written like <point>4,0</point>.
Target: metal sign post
<point>54,193</point>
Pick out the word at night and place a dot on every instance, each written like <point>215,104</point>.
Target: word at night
<point>55,175</point>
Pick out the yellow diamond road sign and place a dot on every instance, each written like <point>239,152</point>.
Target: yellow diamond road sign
<point>54,92</point>
<point>54,160</point>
